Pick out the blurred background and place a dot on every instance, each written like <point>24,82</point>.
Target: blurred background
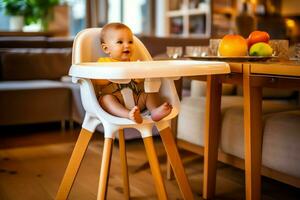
<point>182,18</point>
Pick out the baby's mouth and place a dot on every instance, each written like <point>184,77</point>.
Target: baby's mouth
<point>126,52</point>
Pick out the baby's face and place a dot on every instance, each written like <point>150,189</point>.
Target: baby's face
<point>119,44</point>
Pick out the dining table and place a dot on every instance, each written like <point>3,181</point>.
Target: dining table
<point>254,76</point>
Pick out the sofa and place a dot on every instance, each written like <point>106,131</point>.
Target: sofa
<point>31,90</point>
<point>281,138</point>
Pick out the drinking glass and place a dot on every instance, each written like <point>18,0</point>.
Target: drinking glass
<point>196,51</point>
<point>280,48</point>
<point>214,46</point>
<point>297,51</point>
<point>174,52</point>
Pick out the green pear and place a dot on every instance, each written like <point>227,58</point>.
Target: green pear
<point>261,49</point>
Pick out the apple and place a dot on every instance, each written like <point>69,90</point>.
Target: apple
<point>258,36</point>
<point>233,45</point>
<point>261,49</point>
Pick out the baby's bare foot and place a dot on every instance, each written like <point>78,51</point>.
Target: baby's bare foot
<point>160,112</point>
<point>135,115</point>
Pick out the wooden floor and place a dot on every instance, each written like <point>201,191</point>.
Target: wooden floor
<point>33,160</point>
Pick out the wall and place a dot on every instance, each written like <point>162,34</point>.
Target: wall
<point>290,7</point>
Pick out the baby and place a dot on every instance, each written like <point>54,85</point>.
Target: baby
<point>117,42</point>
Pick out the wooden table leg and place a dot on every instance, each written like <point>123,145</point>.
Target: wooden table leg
<point>212,134</point>
<point>155,169</point>
<point>105,166</point>
<point>253,135</point>
<point>74,164</point>
<point>176,163</point>
<point>123,157</point>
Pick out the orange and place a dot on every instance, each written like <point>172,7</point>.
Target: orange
<point>233,45</point>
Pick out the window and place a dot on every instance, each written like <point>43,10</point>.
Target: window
<point>134,13</point>
<point>114,11</point>
<point>77,16</point>
<point>4,22</point>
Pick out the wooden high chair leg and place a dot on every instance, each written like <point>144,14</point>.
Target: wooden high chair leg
<point>176,163</point>
<point>174,122</point>
<point>74,164</point>
<point>104,171</point>
<point>155,170</point>
<point>170,174</point>
<point>123,158</point>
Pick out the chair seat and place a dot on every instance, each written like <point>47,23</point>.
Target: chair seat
<point>281,137</point>
<point>232,134</point>
<point>281,142</point>
<point>191,119</point>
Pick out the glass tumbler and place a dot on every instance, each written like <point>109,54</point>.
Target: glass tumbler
<point>280,48</point>
<point>196,51</point>
<point>174,52</point>
<point>297,51</point>
<point>214,46</point>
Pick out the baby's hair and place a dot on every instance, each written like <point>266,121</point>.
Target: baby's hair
<point>111,26</point>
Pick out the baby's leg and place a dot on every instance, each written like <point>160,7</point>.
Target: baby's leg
<point>111,104</point>
<point>158,110</point>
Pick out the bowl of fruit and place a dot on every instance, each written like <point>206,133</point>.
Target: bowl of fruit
<point>233,47</point>
<point>255,47</point>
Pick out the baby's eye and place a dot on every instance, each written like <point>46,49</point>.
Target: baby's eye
<point>120,42</point>
<point>130,42</point>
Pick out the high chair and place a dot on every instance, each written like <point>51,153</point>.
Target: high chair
<point>86,48</point>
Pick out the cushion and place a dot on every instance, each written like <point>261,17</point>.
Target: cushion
<point>192,117</point>
<point>32,64</point>
<point>232,137</point>
<point>34,101</point>
<point>281,142</point>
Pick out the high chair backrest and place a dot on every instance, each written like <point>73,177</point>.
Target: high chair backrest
<point>87,47</point>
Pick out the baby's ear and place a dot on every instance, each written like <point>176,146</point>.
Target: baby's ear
<point>104,48</point>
